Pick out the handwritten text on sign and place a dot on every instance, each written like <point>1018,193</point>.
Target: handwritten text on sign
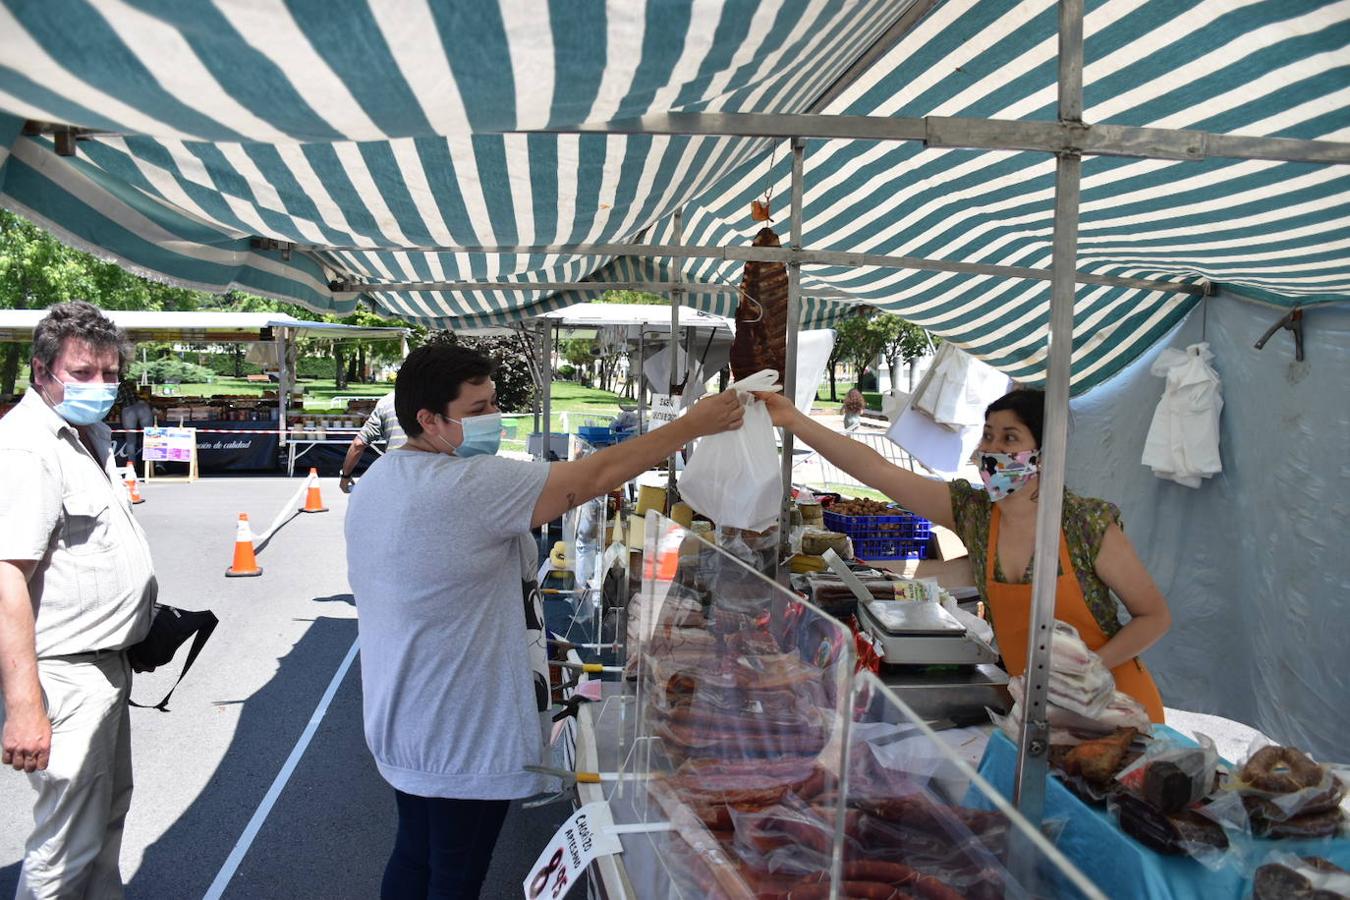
<point>581,839</point>
<point>665,408</point>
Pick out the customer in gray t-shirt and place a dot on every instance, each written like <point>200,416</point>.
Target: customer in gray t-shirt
<point>440,559</point>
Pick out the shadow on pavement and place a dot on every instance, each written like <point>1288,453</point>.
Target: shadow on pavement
<point>332,827</point>
<point>331,830</point>
<point>337,598</point>
<point>185,859</point>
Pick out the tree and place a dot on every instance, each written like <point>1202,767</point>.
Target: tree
<point>633,298</point>
<point>850,337</point>
<point>37,270</point>
<point>898,340</point>
<point>861,339</point>
<point>514,378</point>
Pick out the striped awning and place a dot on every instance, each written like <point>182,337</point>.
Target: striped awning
<point>368,131</point>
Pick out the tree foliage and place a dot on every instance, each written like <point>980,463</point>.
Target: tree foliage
<point>634,298</point>
<point>171,371</point>
<point>514,377</point>
<point>37,270</point>
<point>860,339</point>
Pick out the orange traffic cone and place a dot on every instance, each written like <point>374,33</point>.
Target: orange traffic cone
<point>313,502</point>
<point>245,563</point>
<point>129,479</point>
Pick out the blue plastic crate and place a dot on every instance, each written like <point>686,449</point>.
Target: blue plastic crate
<point>597,435</point>
<point>883,548</point>
<point>901,536</point>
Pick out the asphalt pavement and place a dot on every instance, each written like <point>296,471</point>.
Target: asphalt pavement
<point>230,799</point>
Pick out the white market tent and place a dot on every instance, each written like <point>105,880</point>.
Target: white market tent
<point>1052,186</point>
<point>202,327</point>
<point>213,327</point>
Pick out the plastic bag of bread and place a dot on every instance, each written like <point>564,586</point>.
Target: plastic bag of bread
<point>1288,794</point>
<point>1284,876</point>
<point>1171,776</point>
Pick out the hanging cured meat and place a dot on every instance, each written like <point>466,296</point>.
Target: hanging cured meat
<point>762,315</point>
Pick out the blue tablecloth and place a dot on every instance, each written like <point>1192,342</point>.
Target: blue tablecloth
<point>1124,868</point>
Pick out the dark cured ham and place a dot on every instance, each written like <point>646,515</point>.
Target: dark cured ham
<point>761,315</point>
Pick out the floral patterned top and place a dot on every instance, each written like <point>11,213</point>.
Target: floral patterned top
<point>1085,521</point>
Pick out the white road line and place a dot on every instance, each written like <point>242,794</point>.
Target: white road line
<point>255,824</point>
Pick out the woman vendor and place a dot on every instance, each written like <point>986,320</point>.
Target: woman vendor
<point>998,526</point>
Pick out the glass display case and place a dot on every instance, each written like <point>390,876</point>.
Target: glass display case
<point>918,818</point>
<point>741,756</point>
<point>735,700</point>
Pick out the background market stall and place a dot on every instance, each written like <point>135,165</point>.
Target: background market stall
<point>241,436</point>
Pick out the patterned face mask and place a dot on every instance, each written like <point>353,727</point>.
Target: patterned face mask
<point>1004,473</point>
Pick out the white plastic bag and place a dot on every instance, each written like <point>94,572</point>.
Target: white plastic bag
<point>734,478</point>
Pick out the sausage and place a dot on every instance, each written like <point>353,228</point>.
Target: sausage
<point>877,870</point>
<point>931,889</point>
<point>806,834</point>
<point>865,890</point>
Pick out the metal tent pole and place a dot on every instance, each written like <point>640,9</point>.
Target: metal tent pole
<point>546,386</point>
<point>283,383</point>
<point>743,254</point>
<point>676,292</point>
<point>1029,785</point>
<point>642,380</point>
<point>794,312</point>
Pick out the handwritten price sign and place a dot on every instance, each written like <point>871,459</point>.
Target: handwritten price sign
<point>581,839</point>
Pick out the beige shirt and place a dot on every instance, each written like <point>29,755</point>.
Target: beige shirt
<point>66,508</point>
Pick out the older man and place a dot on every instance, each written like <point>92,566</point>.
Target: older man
<point>76,587</point>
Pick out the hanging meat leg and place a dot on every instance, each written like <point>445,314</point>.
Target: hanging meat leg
<point>761,317</point>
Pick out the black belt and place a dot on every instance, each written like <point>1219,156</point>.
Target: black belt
<point>89,655</point>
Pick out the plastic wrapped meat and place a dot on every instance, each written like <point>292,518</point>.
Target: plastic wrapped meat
<point>761,315</point>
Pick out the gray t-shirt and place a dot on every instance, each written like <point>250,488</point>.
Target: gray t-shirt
<point>439,555</point>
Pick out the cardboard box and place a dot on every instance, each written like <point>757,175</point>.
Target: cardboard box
<point>948,545</point>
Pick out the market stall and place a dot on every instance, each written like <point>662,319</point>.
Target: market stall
<point>237,433</point>
<point>947,186</point>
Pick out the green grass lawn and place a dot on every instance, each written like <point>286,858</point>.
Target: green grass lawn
<point>823,401</point>
<point>315,389</point>
<point>849,490</point>
<point>578,401</point>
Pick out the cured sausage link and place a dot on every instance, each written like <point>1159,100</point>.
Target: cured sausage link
<point>866,890</point>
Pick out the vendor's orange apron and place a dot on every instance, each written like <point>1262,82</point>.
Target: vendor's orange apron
<point>1011,606</point>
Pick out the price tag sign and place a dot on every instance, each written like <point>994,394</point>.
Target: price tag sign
<point>169,444</point>
<point>581,839</point>
<point>665,408</point>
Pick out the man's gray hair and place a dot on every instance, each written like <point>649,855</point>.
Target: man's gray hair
<point>82,321</point>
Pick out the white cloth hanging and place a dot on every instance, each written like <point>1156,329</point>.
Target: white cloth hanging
<point>1183,441</point>
<point>958,389</point>
<point>940,425</point>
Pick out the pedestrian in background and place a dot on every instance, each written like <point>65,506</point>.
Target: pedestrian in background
<point>853,409</point>
<point>137,415</point>
<point>382,425</point>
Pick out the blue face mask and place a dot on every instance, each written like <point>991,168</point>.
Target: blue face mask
<point>482,435</point>
<point>86,402</point>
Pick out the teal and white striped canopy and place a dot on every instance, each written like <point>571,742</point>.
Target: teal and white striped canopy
<point>374,124</point>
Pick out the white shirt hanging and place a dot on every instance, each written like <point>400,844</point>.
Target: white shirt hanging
<point>1183,441</point>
